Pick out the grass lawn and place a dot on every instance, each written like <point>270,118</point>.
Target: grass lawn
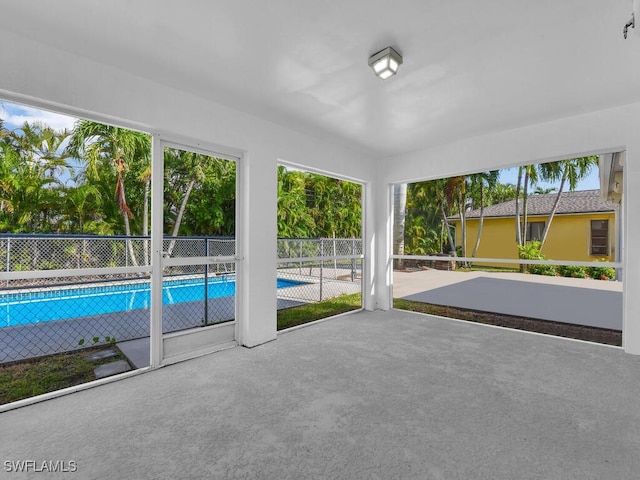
<point>290,317</point>
<point>46,374</point>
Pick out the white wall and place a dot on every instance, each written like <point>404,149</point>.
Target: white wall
<point>42,76</point>
<point>613,129</point>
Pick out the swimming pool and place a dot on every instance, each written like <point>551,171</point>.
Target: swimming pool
<point>49,305</point>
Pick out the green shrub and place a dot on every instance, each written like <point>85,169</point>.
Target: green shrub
<point>572,271</point>
<point>601,273</point>
<point>549,270</point>
<point>531,251</point>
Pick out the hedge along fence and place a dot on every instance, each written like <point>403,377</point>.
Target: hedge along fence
<point>531,251</point>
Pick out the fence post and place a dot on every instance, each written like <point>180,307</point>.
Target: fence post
<point>206,283</point>
<point>353,260</point>
<point>335,262</point>
<point>8,257</point>
<point>321,264</point>
<point>300,266</point>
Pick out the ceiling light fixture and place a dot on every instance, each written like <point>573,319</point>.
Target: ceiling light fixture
<point>385,63</point>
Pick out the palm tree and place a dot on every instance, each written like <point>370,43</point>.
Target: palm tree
<point>542,190</point>
<point>107,146</point>
<point>456,189</point>
<point>184,166</point>
<point>479,181</point>
<point>530,178</point>
<point>33,159</point>
<point>9,182</point>
<point>518,185</point>
<point>83,203</point>
<point>3,130</point>
<point>571,171</point>
<point>439,189</point>
<point>145,177</point>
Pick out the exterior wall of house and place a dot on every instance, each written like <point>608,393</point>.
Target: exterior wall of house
<point>569,238</point>
<point>498,239</point>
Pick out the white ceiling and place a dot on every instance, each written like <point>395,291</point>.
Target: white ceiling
<point>470,66</point>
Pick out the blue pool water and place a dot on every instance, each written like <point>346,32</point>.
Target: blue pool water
<point>50,305</point>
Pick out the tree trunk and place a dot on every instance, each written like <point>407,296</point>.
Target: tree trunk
<point>176,226</point>
<point>518,227</point>
<point>463,223</point>
<point>553,210</point>
<point>124,208</point>
<point>452,243</point>
<point>127,230</point>
<point>525,196</point>
<point>145,220</point>
<point>480,222</point>
<point>399,215</point>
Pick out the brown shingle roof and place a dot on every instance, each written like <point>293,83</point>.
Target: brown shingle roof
<point>584,201</point>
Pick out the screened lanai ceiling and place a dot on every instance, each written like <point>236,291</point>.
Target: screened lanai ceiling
<point>470,67</point>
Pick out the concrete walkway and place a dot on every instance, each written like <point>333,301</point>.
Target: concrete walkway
<point>593,303</point>
<point>371,395</point>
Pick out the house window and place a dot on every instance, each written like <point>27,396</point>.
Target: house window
<point>534,231</point>
<point>599,237</point>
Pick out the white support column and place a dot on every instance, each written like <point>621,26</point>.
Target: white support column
<point>378,241</point>
<point>157,214</point>
<point>257,242</point>
<point>370,245</point>
<point>631,252</point>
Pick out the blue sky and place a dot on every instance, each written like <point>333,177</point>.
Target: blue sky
<point>592,182</point>
<point>15,115</point>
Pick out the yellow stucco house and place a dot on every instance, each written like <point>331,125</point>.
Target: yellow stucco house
<point>584,228</point>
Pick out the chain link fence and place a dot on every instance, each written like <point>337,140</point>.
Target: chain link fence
<point>319,269</point>
<point>19,253</point>
<point>43,314</point>
<point>38,321</point>
<point>205,296</point>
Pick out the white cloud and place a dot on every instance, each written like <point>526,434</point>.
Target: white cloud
<point>15,116</point>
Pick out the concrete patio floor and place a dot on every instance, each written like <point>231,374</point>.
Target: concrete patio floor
<point>594,303</point>
<point>366,395</point>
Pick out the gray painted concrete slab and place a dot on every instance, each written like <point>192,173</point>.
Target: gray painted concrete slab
<point>592,303</point>
<point>137,351</point>
<point>370,395</point>
<point>101,355</point>
<point>112,368</point>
